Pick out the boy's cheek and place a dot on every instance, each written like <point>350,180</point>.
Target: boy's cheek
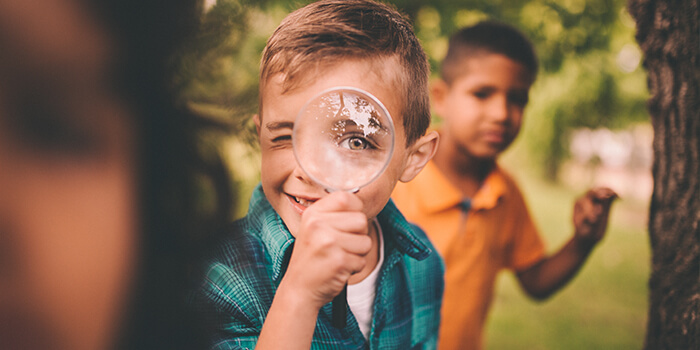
<point>375,196</point>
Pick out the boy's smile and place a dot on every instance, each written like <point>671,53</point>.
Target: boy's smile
<point>288,189</point>
<point>301,203</point>
<point>483,107</point>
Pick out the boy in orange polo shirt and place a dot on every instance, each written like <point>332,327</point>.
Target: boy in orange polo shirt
<point>473,211</point>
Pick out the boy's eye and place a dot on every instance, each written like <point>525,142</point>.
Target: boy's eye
<point>356,143</point>
<point>481,94</point>
<point>282,138</point>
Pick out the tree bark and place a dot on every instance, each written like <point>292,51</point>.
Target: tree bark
<point>669,36</point>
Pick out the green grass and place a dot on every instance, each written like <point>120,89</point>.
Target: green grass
<point>604,307</point>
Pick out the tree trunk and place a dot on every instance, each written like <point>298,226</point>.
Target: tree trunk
<point>669,36</point>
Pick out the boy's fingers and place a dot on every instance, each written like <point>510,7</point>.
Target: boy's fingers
<point>603,195</point>
<point>587,209</point>
<point>339,201</point>
<point>353,264</point>
<point>591,212</point>
<point>349,222</point>
<point>354,244</point>
<point>579,213</point>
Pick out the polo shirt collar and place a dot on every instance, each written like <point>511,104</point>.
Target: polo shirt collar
<point>491,191</point>
<point>436,193</point>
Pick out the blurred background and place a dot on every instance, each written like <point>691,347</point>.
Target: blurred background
<point>586,124</point>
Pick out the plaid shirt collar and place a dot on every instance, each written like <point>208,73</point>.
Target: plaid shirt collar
<point>279,241</point>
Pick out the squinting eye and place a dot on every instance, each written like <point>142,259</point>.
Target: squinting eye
<point>283,138</point>
<point>355,143</point>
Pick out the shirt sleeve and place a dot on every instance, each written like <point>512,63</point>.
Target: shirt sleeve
<point>234,296</point>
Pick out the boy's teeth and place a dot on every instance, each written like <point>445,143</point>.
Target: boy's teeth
<point>303,202</point>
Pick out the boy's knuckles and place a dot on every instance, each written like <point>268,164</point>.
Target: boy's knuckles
<point>325,241</point>
<point>341,266</point>
<point>353,264</point>
<point>364,244</point>
<point>357,222</point>
<point>313,223</point>
<point>359,266</point>
<point>346,201</point>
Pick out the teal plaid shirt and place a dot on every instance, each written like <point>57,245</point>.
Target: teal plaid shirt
<point>248,264</point>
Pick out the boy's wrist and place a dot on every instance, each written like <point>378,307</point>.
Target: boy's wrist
<point>297,299</point>
<point>584,244</point>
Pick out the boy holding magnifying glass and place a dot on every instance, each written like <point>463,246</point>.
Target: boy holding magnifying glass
<point>273,276</point>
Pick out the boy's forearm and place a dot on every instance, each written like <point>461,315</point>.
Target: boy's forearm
<point>553,272</point>
<point>290,323</point>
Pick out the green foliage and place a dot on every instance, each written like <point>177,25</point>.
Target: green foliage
<point>218,68</point>
<point>590,72</point>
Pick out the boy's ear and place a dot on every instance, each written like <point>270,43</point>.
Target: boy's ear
<point>438,92</point>
<point>256,120</point>
<point>421,152</point>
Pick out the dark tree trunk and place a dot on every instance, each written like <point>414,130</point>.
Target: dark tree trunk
<point>669,36</point>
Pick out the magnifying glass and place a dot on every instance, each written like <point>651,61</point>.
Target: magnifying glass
<point>343,139</point>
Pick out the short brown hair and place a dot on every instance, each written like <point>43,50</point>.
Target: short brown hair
<point>487,37</point>
<point>328,31</point>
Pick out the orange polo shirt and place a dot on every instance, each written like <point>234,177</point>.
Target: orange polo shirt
<point>496,233</point>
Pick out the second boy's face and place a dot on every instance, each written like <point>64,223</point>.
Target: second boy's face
<point>483,108</point>
<point>286,186</point>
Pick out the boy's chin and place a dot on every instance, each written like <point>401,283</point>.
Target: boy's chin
<point>487,157</point>
<point>490,154</point>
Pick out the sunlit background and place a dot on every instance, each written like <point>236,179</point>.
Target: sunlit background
<point>586,125</point>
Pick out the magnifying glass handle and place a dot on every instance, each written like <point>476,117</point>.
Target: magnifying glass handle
<point>339,306</point>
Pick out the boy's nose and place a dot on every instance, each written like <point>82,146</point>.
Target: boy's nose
<point>299,174</point>
<point>499,110</point>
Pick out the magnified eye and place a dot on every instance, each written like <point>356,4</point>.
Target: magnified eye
<point>356,143</point>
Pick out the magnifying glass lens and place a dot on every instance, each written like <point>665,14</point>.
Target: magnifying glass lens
<point>343,138</point>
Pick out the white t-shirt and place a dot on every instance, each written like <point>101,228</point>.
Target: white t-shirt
<point>361,295</point>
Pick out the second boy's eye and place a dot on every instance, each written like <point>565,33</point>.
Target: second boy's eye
<point>482,94</point>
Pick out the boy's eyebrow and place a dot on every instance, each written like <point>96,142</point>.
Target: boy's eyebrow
<point>279,125</point>
<point>373,122</point>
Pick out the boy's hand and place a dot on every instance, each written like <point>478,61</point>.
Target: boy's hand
<point>591,215</point>
<point>330,246</point>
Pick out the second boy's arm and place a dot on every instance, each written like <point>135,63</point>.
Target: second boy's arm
<point>590,222</point>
